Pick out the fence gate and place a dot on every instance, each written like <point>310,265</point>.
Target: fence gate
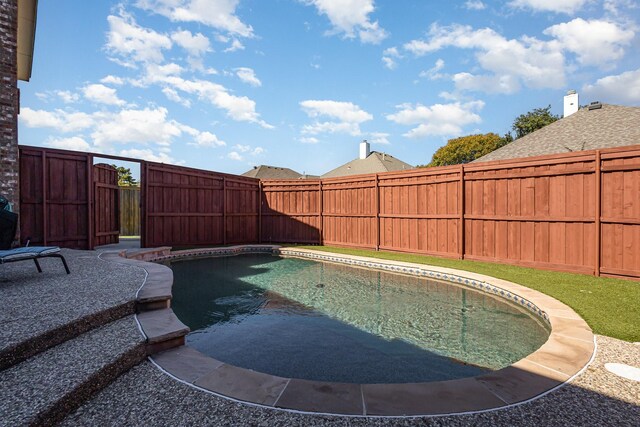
<point>55,197</point>
<point>106,208</point>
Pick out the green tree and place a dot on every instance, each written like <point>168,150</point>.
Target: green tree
<point>538,118</point>
<point>468,148</point>
<point>125,178</point>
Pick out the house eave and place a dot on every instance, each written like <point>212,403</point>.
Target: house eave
<point>27,13</point>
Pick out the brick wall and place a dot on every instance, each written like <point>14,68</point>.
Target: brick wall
<point>9,101</point>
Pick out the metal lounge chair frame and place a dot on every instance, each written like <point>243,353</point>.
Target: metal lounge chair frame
<point>33,253</point>
<point>8,226</point>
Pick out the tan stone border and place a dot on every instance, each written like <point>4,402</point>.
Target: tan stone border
<point>568,350</point>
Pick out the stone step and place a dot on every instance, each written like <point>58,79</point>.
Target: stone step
<point>45,388</point>
<point>163,330</point>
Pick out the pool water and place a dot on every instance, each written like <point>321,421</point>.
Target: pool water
<point>320,321</point>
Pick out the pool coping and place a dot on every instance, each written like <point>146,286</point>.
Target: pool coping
<point>567,352</point>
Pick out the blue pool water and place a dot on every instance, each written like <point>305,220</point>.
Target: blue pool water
<point>329,322</point>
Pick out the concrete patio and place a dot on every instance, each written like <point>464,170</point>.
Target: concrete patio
<point>64,336</point>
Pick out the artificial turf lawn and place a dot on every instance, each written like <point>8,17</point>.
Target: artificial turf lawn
<point>611,307</point>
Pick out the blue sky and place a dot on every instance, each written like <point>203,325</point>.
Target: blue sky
<point>227,84</point>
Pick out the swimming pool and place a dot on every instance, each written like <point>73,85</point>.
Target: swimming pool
<point>315,320</point>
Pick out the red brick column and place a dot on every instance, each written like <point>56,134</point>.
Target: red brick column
<point>9,101</point>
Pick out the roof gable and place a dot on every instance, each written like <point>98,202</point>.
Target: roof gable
<point>375,162</point>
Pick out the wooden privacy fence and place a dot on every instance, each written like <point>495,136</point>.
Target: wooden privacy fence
<point>66,200</point>
<point>191,207</point>
<point>574,212</point>
<point>129,211</point>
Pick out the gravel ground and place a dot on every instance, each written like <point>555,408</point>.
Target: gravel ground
<point>32,302</point>
<point>146,396</point>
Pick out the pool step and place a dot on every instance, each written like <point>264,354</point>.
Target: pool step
<point>163,330</point>
<point>45,388</point>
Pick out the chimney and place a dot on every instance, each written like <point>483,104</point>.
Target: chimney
<point>365,149</point>
<point>571,104</point>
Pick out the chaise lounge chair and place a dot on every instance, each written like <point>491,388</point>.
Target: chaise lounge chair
<point>34,253</point>
<point>8,225</point>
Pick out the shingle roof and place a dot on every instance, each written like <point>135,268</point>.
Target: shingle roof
<point>609,126</point>
<point>374,163</point>
<point>272,172</point>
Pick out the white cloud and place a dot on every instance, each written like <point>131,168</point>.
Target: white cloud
<point>234,155</point>
<point>207,139</point>
<point>309,140</point>
<point>390,63</point>
<point>506,83</point>
<point>344,111</point>
<point>347,117</point>
<point>433,73</point>
<point>218,14</point>
<point>102,94</point>
<point>379,138</point>
<point>617,8</point>
<point>74,143</point>
<point>389,57</point>
<point>196,44</point>
<point>475,5</point>
<point>622,88</point>
<point>135,126</point>
<point>235,45</point>
<point>173,95</point>
<point>558,6</point>
<point>149,155</point>
<point>527,61</point>
<point>59,120</point>
<point>239,108</point>
<point>437,119</point>
<point>351,18</point>
<point>134,43</point>
<point>158,73</point>
<point>242,148</point>
<point>248,76</point>
<point>595,42</point>
<point>67,96</point>
<point>247,149</point>
<point>148,126</point>
<point>112,80</point>
<point>509,64</point>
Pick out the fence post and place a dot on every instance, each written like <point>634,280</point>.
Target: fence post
<point>598,203</point>
<point>91,214</point>
<point>377,213</point>
<point>321,236</point>
<point>461,195</point>
<point>224,210</point>
<point>45,215</point>
<point>259,211</point>
<point>144,204</point>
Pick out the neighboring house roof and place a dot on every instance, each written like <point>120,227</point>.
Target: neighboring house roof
<point>272,172</point>
<point>375,162</point>
<point>606,127</point>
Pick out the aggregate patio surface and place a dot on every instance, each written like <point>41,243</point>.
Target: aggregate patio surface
<point>146,396</point>
<point>32,302</point>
